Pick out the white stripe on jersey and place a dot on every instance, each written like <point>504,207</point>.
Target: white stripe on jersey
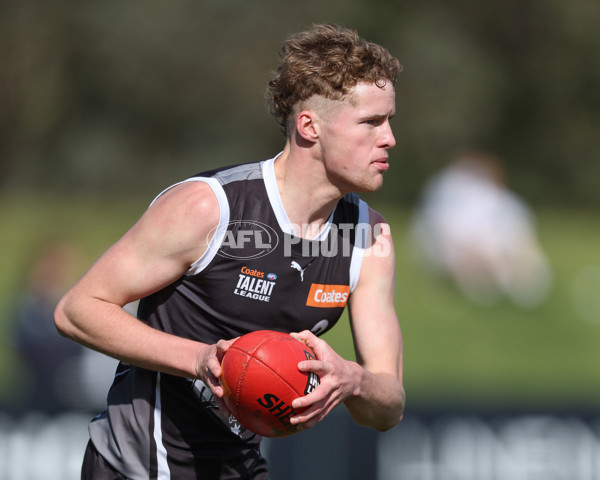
<point>220,231</point>
<point>161,452</point>
<point>360,243</point>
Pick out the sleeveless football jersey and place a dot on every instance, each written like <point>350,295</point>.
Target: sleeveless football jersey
<point>257,273</point>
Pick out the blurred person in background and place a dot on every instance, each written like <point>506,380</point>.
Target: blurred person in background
<point>333,96</point>
<point>472,228</point>
<point>48,361</point>
<point>57,374</point>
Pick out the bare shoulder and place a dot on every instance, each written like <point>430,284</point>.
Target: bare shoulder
<point>376,217</point>
<point>188,197</point>
<point>180,220</point>
<point>381,236</point>
<point>193,203</point>
<point>171,234</point>
<point>379,260</point>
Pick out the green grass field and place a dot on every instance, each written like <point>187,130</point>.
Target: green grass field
<point>456,354</point>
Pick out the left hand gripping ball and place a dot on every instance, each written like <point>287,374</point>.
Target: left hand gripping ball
<point>260,377</point>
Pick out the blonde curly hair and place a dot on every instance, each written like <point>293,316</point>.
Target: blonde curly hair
<point>328,60</point>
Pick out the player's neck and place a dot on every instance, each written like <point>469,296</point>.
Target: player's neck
<point>307,196</point>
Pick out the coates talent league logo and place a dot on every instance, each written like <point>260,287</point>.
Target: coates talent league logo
<point>245,239</point>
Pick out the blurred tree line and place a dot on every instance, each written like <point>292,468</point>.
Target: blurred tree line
<point>114,97</point>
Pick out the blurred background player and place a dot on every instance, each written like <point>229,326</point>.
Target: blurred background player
<point>57,375</point>
<point>49,362</point>
<point>473,229</point>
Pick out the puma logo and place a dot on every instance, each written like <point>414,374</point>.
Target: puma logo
<point>296,266</point>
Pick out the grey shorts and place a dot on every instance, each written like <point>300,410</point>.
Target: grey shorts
<point>96,468</point>
<point>253,467</point>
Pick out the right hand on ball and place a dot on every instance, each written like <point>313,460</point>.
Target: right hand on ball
<point>338,381</point>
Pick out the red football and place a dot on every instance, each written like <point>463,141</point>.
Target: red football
<point>261,378</point>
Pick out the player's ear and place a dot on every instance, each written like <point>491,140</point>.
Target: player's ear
<point>307,125</point>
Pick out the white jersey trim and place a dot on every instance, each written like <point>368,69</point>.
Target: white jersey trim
<point>164,473</point>
<point>220,230</point>
<point>268,169</point>
<point>361,240</point>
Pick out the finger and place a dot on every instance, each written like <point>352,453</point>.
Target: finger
<point>311,416</point>
<point>318,345</point>
<point>214,383</point>
<point>304,422</point>
<point>223,346</point>
<point>214,367</point>
<point>320,367</point>
<point>302,336</point>
<point>297,336</point>
<point>217,390</point>
<point>316,397</point>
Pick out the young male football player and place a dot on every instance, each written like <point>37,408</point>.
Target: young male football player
<point>282,244</point>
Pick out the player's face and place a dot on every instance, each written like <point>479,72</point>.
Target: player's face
<point>356,137</point>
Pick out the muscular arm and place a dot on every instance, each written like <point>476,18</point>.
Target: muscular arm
<point>371,388</point>
<point>156,251</point>
<point>379,398</point>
